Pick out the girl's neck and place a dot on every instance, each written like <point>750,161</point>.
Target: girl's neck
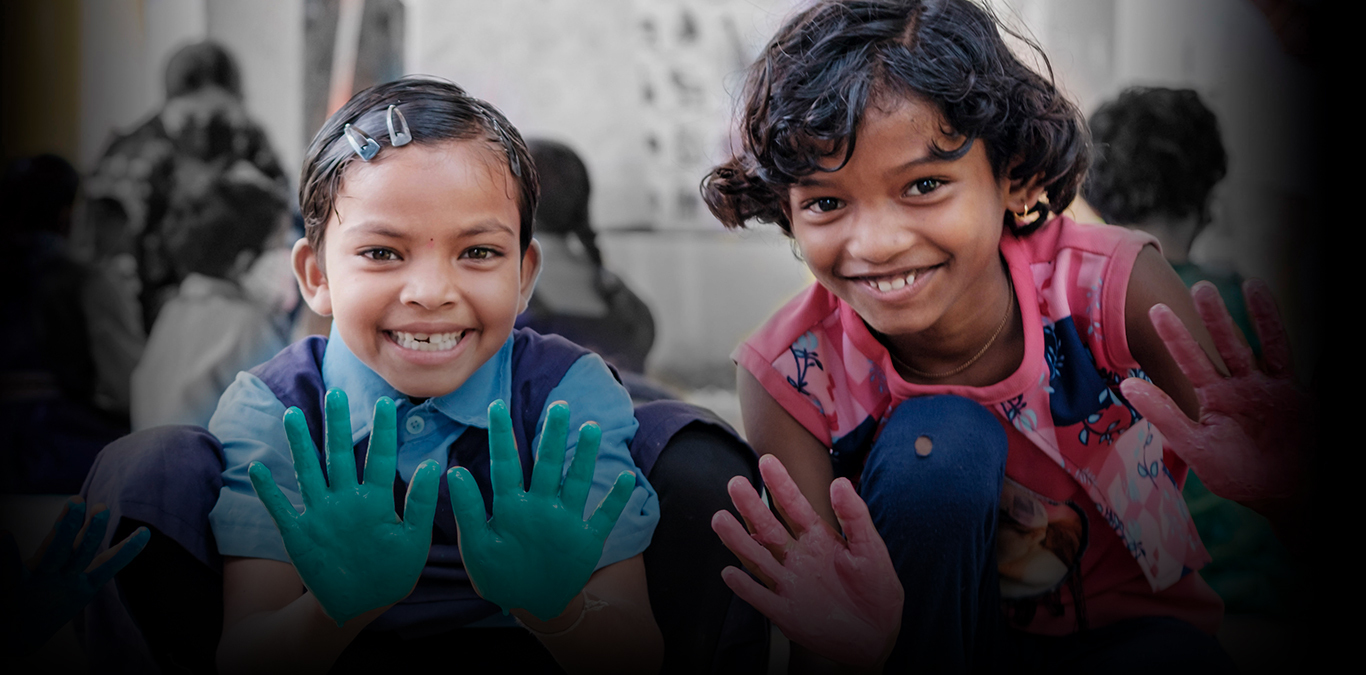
<point>978,345</point>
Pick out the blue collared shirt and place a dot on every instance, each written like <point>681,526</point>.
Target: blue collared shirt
<point>249,422</point>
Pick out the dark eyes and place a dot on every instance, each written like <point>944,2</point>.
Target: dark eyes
<point>824,204</point>
<point>480,253</point>
<point>380,254</point>
<point>924,186</point>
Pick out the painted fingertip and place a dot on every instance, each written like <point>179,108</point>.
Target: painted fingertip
<point>589,429</point>
<point>384,404</point>
<point>336,397</point>
<point>294,416</point>
<point>558,408</point>
<point>258,471</point>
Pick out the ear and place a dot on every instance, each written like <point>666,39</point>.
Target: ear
<point>531,271</point>
<point>308,271</point>
<point>1022,195</point>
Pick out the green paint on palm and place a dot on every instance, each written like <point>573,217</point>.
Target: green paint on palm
<point>536,552</point>
<point>350,548</point>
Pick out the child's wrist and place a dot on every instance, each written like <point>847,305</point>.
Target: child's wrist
<point>568,620</point>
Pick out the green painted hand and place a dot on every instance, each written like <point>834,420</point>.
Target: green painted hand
<point>38,598</point>
<point>349,547</point>
<point>537,552</point>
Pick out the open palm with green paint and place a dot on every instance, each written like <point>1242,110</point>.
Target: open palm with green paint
<point>537,552</point>
<point>350,548</point>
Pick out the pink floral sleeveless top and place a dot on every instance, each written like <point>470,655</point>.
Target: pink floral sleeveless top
<point>818,360</point>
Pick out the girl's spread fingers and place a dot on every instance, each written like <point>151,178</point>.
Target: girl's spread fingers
<point>305,456</point>
<point>382,455</point>
<point>1159,409</point>
<point>755,556</point>
<point>1267,319</point>
<point>760,520</point>
<point>341,458</point>
<point>505,467</point>
<point>857,524</point>
<point>1184,349</point>
<point>766,601</point>
<point>90,540</point>
<point>793,505</point>
<point>579,480</point>
<point>605,517</point>
<point>549,464</point>
<point>419,509</point>
<point>1237,355</point>
<point>279,508</point>
<point>118,556</point>
<point>466,502</point>
<point>58,549</point>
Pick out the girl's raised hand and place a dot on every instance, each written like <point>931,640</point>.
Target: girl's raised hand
<point>838,596</point>
<point>537,552</point>
<point>349,547</point>
<point>1255,428</point>
<point>37,599</point>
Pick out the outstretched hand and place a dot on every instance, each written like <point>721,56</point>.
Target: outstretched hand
<point>349,547</point>
<point>39,598</point>
<point>838,596</point>
<point>537,552</point>
<point>1255,427</point>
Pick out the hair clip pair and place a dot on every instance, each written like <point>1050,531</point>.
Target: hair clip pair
<point>368,147</point>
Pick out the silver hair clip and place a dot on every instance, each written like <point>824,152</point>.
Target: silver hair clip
<point>364,146</point>
<point>513,163</point>
<point>397,138</point>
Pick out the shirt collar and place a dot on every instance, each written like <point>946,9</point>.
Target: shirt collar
<point>467,405</point>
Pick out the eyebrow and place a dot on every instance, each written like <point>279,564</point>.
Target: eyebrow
<point>817,179</point>
<point>384,229</point>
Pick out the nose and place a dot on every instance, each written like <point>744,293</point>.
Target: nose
<point>432,283</point>
<point>878,235</point>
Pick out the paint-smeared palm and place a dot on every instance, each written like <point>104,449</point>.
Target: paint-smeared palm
<point>537,552</point>
<point>349,547</point>
<point>838,596</point>
<point>1255,428</point>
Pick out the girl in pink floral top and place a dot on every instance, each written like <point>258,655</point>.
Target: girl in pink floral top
<point>949,392</point>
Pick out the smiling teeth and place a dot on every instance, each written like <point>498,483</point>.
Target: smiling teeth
<point>427,342</point>
<point>885,285</point>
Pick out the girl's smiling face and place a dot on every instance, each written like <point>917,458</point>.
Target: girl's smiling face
<point>421,268</point>
<point>908,240</point>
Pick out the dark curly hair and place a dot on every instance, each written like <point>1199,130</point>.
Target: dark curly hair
<point>805,96</point>
<point>437,111</point>
<point>212,221</point>
<point>1157,154</point>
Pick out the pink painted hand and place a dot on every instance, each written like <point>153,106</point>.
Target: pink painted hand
<point>838,596</point>
<point>1255,428</point>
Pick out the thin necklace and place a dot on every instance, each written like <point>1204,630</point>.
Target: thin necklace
<point>1010,304</point>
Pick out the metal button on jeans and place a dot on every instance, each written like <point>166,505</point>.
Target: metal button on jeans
<point>415,424</point>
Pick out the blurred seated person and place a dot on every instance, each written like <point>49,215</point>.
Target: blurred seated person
<point>576,297</point>
<point>113,312</point>
<point>203,121</point>
<point>225,317</point>
<point>50,431</point>
<point>1157,158</point>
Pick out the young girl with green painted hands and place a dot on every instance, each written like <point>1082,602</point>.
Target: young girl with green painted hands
<point>425,197</point>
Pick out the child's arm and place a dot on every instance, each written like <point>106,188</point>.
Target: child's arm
<point>536,555</point>
<point>348,548</point>
<point>770,430</point>
<point>608,628</point>
<point>1243,431</point>
<point>271,622</point>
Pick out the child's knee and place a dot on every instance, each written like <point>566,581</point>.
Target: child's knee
<point>940,458</point>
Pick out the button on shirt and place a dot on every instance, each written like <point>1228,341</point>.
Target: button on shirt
<point>250,425</point>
